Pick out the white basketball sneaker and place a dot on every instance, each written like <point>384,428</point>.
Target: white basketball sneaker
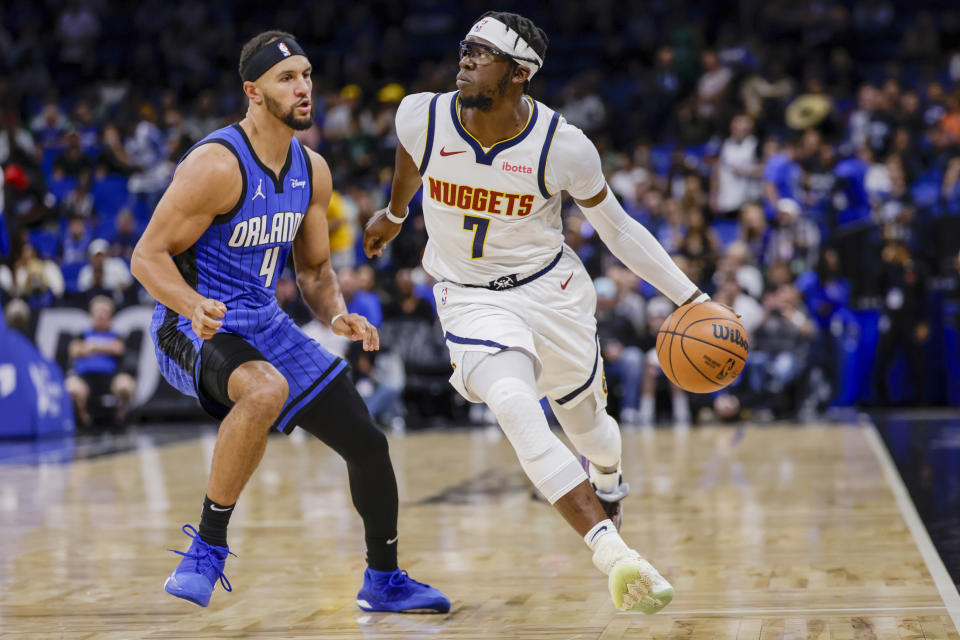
<point>635,585</point>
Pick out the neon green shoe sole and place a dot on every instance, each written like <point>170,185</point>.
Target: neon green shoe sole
<point>636,586</point>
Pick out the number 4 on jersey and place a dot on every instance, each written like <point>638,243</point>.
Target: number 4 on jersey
<point>471,223</point>
<point>269,264</point>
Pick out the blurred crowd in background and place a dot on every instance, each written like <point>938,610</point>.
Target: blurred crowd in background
<point>801,162</point>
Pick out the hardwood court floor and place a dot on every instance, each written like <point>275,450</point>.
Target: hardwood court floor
<point>766,533</point>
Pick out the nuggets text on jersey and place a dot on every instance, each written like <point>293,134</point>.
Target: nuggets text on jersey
<point>479,199</point>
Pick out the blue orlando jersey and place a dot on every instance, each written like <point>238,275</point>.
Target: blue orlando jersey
<point>240,256</point>
<point>237,261</point>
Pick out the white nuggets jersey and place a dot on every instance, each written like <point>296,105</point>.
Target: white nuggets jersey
<point>494,212</point>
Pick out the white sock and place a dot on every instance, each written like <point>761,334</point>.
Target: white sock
<point>605,482</point>
<point>598,532</point>
<point>608,548</point>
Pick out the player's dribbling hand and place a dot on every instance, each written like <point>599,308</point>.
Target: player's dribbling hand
<point>356,327</point>
<point>205,320</point>
<point>378,233</point>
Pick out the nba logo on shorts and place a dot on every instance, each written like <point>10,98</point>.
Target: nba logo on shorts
<point>443,296</point>
<point>283,49</point>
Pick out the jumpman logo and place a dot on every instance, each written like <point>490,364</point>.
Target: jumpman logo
<point>259,191</point>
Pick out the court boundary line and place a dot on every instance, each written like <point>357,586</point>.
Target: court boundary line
<point>938,571</point>
<point>765,612</point>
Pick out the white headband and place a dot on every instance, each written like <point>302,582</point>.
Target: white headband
<point>509,41</point>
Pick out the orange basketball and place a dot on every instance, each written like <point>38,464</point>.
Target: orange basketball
<point>702,347</point>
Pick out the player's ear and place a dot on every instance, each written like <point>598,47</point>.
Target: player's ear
<point>252,92</point>
<point>520,74</point>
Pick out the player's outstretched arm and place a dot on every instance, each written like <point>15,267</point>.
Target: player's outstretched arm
<point>636,247</point>
<point>406,181</point>
<point>206,184</point>
<point>315,276</point>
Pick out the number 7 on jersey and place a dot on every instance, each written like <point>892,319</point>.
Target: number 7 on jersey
<point>479,227</point>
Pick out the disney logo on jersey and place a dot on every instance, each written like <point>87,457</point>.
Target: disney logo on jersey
<point>266,229</point>
<point>722,332</point>
<point>515,168</point>
<point>479,199</point>
<point>297,184</point>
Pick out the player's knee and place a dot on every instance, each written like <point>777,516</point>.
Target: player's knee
<point>600,444</point>
<point>518,411</point>
<point>260,387</point>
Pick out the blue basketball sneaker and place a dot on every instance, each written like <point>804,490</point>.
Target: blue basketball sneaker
<point>397,591</point>
<point>198,572</point>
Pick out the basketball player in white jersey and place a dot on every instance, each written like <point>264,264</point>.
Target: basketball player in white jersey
<point>516,304</point>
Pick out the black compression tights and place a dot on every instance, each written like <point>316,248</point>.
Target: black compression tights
<point>341,421</point>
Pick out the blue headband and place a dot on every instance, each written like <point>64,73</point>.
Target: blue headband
<point>269,55</point>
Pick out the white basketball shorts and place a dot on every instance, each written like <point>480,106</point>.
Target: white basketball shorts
<point>550,318</point>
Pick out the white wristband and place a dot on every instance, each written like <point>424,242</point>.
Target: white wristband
<point>703,297</point>
<point>334,320</point>
<point>394,219</point>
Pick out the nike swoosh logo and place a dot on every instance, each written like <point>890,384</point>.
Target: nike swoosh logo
<point>446,153</point>
<point>598,532</point>
<point>393,539</point>
<point>564,285</point>
<point>214,507</point>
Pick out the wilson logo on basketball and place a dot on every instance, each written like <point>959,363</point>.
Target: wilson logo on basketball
<point>725,333</point>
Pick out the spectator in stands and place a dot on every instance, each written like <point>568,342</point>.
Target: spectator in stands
<point>50,125</point>
<point>408,328</point>
<point>96,358</point>
<point>750,312</point>
<point>658,309</point>
<point>903,324</point>
<point>72,161</point>
<point>736,264</point>
<point>77,31</point>
<point>341,225</point>
<point>754,232</point>
<point>699,245</point>
<point>782,176</point>
<point>148,153</point>
<point>113,159</point>
<point>795,239</point>
<point>736,178</point>
<point>712,85</point>
<point>366,303</point>
<point>125,237</point>
<point>76,239</point>
<point>16,314</point>
<point>288,297</point>
<point>38,281</point>
<point>103,275</point>
<point>86,127</point>
<point>826,293</point>
<point>79,201</point>
<point>623,355</point>
<point>780,348</point>
<point>16,143</point>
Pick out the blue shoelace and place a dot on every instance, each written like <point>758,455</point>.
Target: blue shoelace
<point>205,553</point>
<point>400,577</point>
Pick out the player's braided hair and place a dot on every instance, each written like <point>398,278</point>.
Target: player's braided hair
<point>534,35</point>
<point>257,41</point>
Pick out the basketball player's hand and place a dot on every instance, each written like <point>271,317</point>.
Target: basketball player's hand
<point>378,233</point>
<point>205,320</point>
<point>356,327</point>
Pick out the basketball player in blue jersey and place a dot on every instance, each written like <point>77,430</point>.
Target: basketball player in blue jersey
<point>241,200</point>
<point>516,304</point>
